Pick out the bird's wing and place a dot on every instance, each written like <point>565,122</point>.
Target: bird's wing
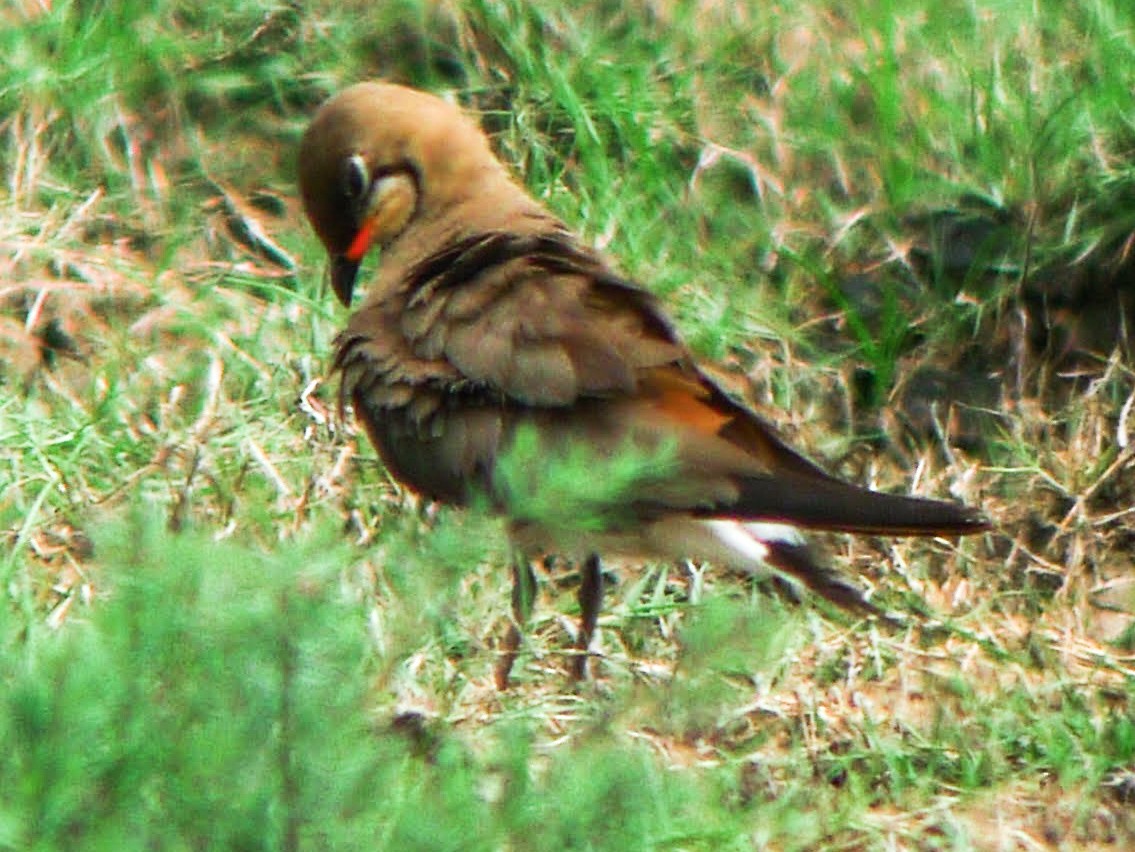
<point>498,330</point>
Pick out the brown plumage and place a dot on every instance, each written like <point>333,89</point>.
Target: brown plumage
<point>489,317</point>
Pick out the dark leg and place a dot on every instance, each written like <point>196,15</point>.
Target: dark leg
<point>523,595</point>
<point>590,602</point>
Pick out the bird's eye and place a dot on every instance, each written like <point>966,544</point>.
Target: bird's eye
<point>355,177</point>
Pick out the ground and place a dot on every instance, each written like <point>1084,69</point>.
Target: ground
<point>902,231</point>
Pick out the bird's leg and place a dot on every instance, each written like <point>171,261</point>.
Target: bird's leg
<point>590,602</point>
<point>523,595</point>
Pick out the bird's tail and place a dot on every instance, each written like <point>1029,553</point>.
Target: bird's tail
<point>826,503</point>
<point>754,547</point>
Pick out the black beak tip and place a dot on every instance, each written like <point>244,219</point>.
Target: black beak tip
<point>343,273</point>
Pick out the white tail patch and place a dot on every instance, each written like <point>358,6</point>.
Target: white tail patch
<point>738,540</point>
<point>750,546</point>
<point>758,548</point>
<point>770,531</point>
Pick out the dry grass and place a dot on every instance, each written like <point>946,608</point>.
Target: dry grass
<point>164,338</point>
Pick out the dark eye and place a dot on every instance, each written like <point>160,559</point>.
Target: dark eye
<point>355,177</point>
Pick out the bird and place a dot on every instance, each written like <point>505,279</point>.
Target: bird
<point>491,326</point>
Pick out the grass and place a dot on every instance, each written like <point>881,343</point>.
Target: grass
<point>903,230</point>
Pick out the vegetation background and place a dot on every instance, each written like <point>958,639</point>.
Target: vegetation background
<point>902,227</point>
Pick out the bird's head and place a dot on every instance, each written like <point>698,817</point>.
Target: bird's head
<point>376,158</point>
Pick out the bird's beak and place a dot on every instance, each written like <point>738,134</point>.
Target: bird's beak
<point>343,273</point>
<point>345,267</point>
<point>388,207</point>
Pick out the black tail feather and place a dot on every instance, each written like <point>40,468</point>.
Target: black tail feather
<point>797,561</point>
<point>836,506</point>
